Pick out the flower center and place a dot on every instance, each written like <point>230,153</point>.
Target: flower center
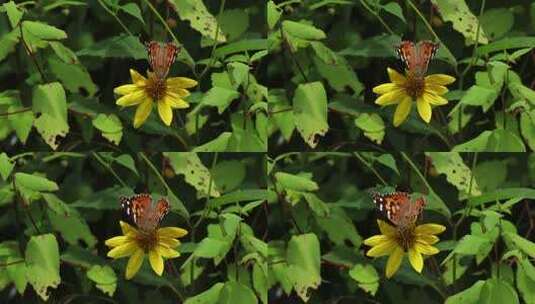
<point>155,87</point>
<point>147,239</point>
<point>406,237</point>
<point>414,85</point>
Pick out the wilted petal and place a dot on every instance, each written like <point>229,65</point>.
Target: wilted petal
<point>156,261</point>
<point>165,112</point>
<point>429,229</point>
<point>181,82</point>
<point>394,261</point>
<point>142,113</point>
<point>124,250</point>
<point>402,111</point>
<point>439,79</point>
<point>416,260</point>
<point>424,109</point>
<point>134,263</point>
<point>384,248</point>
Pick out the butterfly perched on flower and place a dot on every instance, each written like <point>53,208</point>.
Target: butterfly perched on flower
<point>416,57</point>
<point>399,208</point>
<point>161,57</point>
<point>143,212</point>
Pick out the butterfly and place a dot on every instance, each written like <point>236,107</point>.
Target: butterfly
<point>161,57</point>
<point>146,215</point>
<point>399,208</point>
<point>416,57</point>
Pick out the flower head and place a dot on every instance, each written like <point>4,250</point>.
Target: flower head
<point>135,243</point>
<point>403,90</point>
<point>168,94</point>
<point>415,241</point>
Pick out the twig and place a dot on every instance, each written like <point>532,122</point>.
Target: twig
<point>16,112</point>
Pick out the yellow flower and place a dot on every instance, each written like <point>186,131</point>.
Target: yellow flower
<point>143,92</point>
<point>135,243</point>
<point>415,241</point>
<point>403,90</point>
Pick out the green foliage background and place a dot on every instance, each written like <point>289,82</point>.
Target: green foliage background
<point>322,211</point>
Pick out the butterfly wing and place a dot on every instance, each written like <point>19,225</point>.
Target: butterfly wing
<point>136,206</point>
<point>409,212</point>
<point>406,52</point>
<point>161,57</point>
<point>416,57</point>
<point>391,204</point>
<point>161,208</point>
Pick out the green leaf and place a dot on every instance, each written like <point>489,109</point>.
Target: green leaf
<point>295,182</point>
<point>304,261</point>
<point>394,9</point>
<point>199,17</point>
<point>229,174</point>
<point>527,128</point>
<point>340,75</point>
<point>235,292</point>
<point>49,100</point>
<point>64,53</point>
<point>310,112</point>
<point>133,10</point>
<point>366,277</point>
<point>281,112</point>
<point>220,98</point>
<point>74,77</point>
<point>210,296</point>
<point>240,196</point>
<point>525,281</point>
<point>372,125</point>
<point>13,13</point>
<point>339,227</point>
<point>111,127</point>
<point>462,18</point>
<point>316,204</point>
<point>103,200</point>
<point>127,161</point>
<point>234,23</point>
<point>324,53</point>
<point>480,96</point>
<point>497,22</point>
<point>457,172</point>
<point>302,30</point>
<point>502,194</point>
<point>104,278</point>
<point>505,44</point>
<point>260,281</point>
<point>194,171</point>
<point>498,140</point>
<point>242,45</point>
<point>467,296</point>
<point>36,33</point>
<point>219,144</point>
<point>6,166</point>
<point>526,246</point>
<point>273,14</point>
<point>122,46</point>
<point>34,182</point>
<point>16,271</point>
<point>8,42</point>
<point>498,291</point>
<point>42,263</point>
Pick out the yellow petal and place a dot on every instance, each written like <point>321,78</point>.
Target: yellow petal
<point>394,261</point>
<point>168,253</point>
<point>175,101</point>
<point>165,111</point>
<point>168,242</point>
<point>439,79</point>
<point>416,260</point>
<point>385,88</point>
<point>142,113</point>
<point>424,109</point>
<point>137,78</point>
<point>425,248</point>
<point>427,238</point>
<point>384,248</point>
<point>132,99</point>
<point>434,99</point>
<point>116,241</point>
<point>435,89</point>
<point>386,228</point>
<point>172,232</point>
<point>375,240</point>
<point>429,229</point>
<point>124,250</point>
<point>134,263</point>
<point>179,91</point>
<point>402,111</point>
<point>127,229</point>
<point>396,77</point>
<point>181,82</point>
<point>156,261</point>
<point>126,89</point>
<point>392,97</point>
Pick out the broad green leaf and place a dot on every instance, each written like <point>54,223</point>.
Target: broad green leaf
<point>316,204</point>
<point>74,77</point>
<point>209,296</point>
<point>260,282</point>
<point>525,282</point>
<point>229,174</point>
<point>127,161</point>
<point>498,291</point>
<point>8,42</point>
<point>497,22</point>
<point>339,227</point>
<point>366,277</point>
<point>372,125</point>
<point>457,172</point>
<point>498,140</point>
<point>526,246</point>
<point>480,96</point>
<point>240,196</point>
<point>324,53</point>
<point>104,278</point>
<point>13,13</point>
<point>304,260</point>
<point>462,18</point>
<point>34,182</point>
<point>36,34</point>
<point>302,30</point>
<point>467,296</point>
<point>234,23</point>
<point>273,14</point>
<point>242,45</point>
<point>502,194</point>
<point>310,112</point>
<point>220,98</point>
<point>105,199</point>
<point>340,75</point>
<point>110,126</point>
<point>194,171</point>
<point>394,9</point>
<point>133,10</point>
<point>122,46</point>
<point>6,166</point>
<point>49,100</point>
<point>527,128</point>
<point>199,17</point>
<point>506,43</point>
<point>295,182</point>
<point>42,263</point>
<point>219,144</point>
<point>281,113</point>
<point>17,273</point>
<point>64,53</point>
<point>235,292</point>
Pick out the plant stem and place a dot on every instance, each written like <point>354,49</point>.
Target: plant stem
<point>109,168</point>
<point>363,2</point>
<point>107,9</point>
<point>16,112</point>
<point>153,9</point>
<point>359,157</point>
<point>217,30</point>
